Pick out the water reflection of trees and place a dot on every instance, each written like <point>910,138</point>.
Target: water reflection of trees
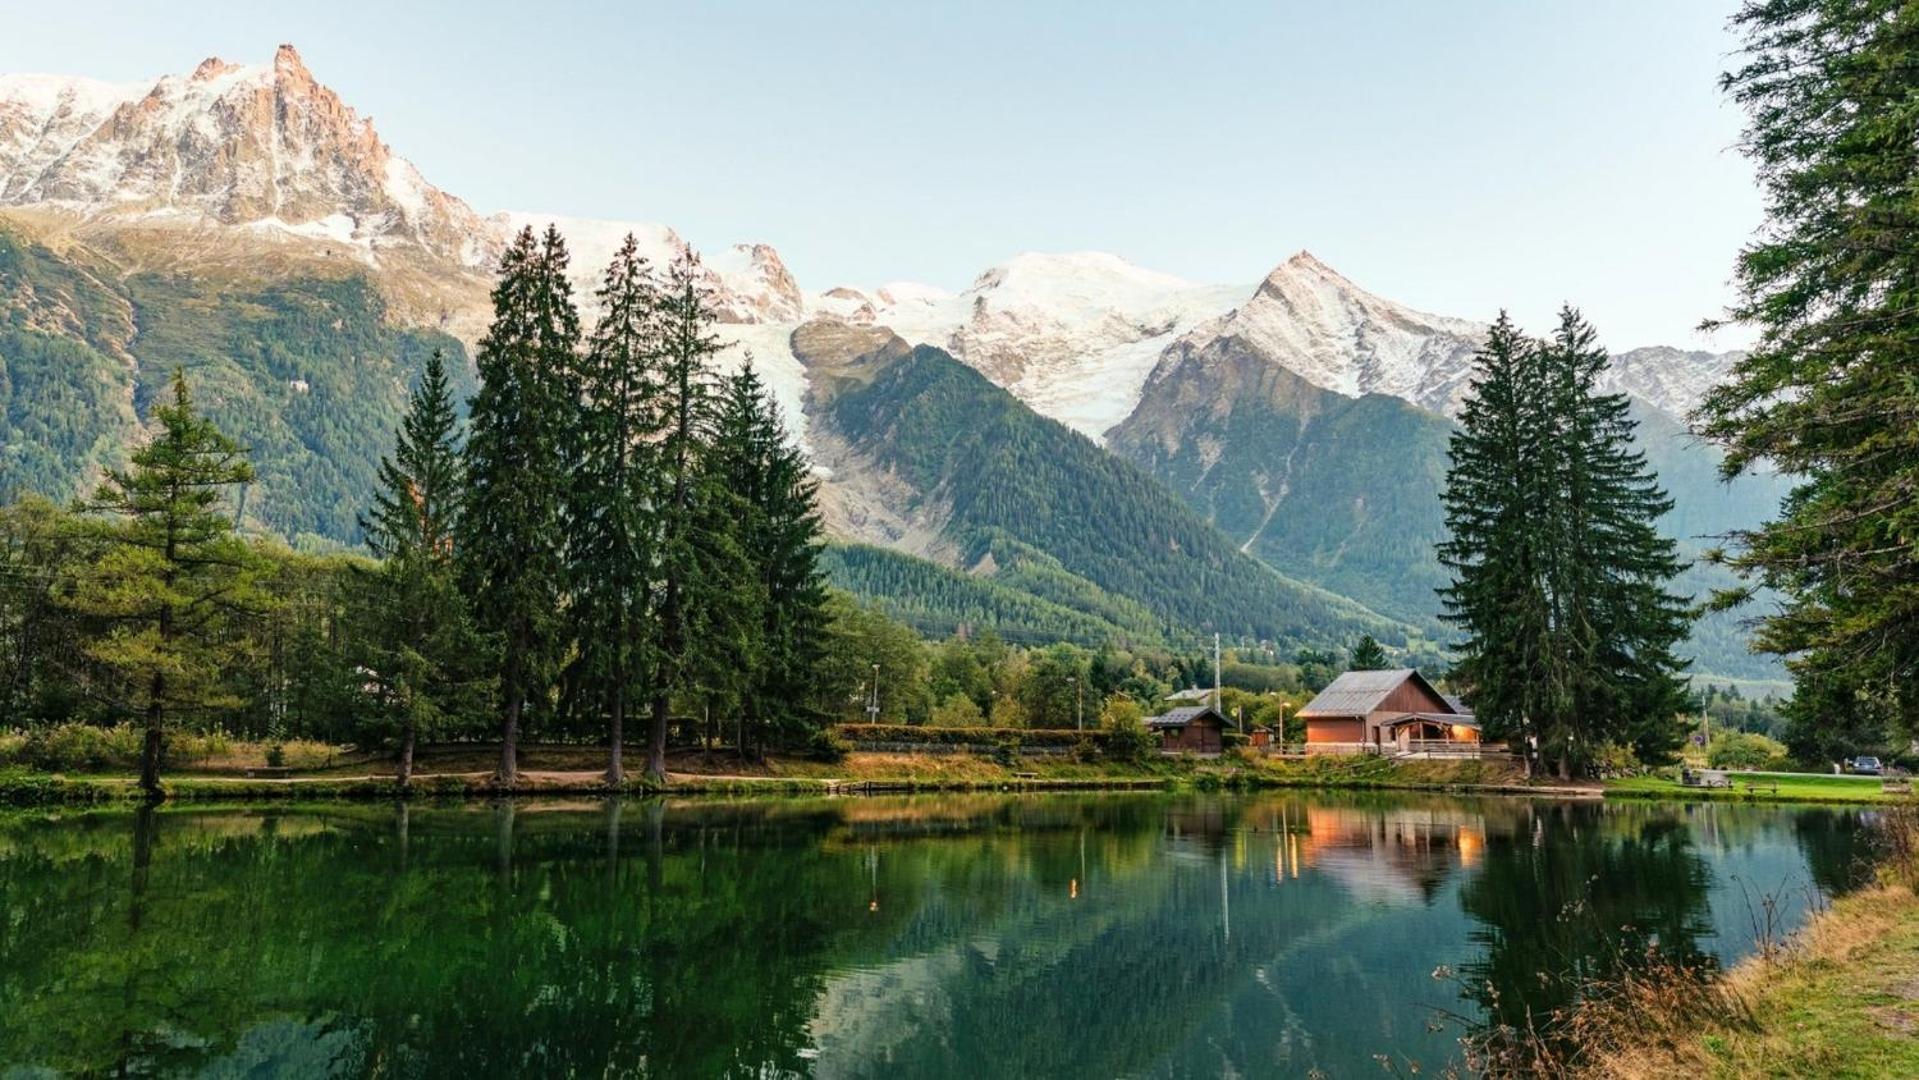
<point>960,935</point>
<point>1577,894</point>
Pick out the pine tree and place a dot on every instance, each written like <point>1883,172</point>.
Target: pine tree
<point>1369,655</point>
<point>1831,91</point>
<point>1613,610</point>
<point>516,455</point>
<point>1560,573</point>
<point>418,637</point>
<point>174,575</point>
<point>1497,598</point>
<point>685,403</point>
<point>779,535</point>
<point>611,521</point>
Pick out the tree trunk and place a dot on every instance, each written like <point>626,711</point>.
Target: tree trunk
<point>616,736</point>
<point>405,771</point>
<point>510,741</point>
<point>656,743</point>
<point>150,753</point>
<point>1565,768</point>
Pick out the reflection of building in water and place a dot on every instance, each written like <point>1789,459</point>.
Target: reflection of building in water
<point>1392,856</point>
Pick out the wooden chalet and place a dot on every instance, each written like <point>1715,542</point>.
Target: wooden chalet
<point>1190,729</point>
<point>1385,711</point>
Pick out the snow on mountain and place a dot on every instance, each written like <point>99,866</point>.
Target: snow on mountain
<point>264,147</point>
<point>1072,335</point>
<point>1672,380</point>
<point>1308,318</point>
<point>44,116</point>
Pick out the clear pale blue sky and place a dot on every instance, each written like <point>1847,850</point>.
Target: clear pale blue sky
<point>1455,156</point>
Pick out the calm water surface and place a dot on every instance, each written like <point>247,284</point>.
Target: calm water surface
<point>1134,935</point>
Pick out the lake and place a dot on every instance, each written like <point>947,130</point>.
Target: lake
<point>974,935</point>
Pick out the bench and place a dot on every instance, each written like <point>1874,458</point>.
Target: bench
<point>1896,785</point>
<point>1026,776</point>
<point>267,770</point>
<point>1753,786</point>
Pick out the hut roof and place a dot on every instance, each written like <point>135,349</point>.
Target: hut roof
<point>1357,693</point>
<point>1183,716</point>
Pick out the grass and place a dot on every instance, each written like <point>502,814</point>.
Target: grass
<point>1842,1002</point>
<point>1793,787</point>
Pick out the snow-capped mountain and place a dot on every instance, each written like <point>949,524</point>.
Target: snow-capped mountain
<point>262,147</point>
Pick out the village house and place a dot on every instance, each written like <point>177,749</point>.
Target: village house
<point>1190,729</point>
<point>1394,711</point>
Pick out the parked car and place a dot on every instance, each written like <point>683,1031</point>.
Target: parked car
<point>1866,766</point>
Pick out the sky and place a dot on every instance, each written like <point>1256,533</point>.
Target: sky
<point>1458,157</point>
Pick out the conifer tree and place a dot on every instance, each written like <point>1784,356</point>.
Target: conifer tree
<point>516,456</point>
<point>418,637</point>
<point>1497,597</point>
<point>173,576</point>
<point>611,521</point>
<point>1831,91</point>
<point>685,404</point>
<point>1369,655</point>
<point>779,536</point>
<point>1611,565</point>
<point>1560,574</point>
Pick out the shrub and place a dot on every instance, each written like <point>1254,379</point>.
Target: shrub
<point>957,711</point>
<point>13,747</point>
<point>1744,750</point>
<point>825,744</point>
<point>305,753</point>
<point>276,755</point>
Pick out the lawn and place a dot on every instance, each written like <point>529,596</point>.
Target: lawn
<point>1795,787</point>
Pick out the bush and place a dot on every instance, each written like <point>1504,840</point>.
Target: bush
<point>927,735</point>
<point>1745,750</point>
<point>276,755</point>
<point>306,754</point>
<point>13,747</point>
<point>825,744</point>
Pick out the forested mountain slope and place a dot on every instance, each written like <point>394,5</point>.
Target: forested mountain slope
<point>972,476</point>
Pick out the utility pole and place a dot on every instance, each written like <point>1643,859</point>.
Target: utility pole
<point>1215,670</point>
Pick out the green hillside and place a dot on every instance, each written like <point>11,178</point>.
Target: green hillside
<point>1344,492</point>
<point>307,371</point>
<point>1011,485</point>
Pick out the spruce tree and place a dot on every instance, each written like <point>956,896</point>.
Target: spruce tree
<point>1497,598</point>
<point>611,521</point>
<point>173,577</point>
<point>516,456</point>
<point>1560,573</point>
<point>1369,655</point>
<point>779,536</point>
<point>1831,92</point>
<point>684,400</point>
<point>417,636</point>
<point>1612,567</point>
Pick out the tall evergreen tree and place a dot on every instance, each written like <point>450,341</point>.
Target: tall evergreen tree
<point>1369,655</point>
<point>1560,573</point>
<point>174,575</point>
<point>1831,91</point>
<point>611,521</point>
<point>1497,597</point>
<point>779,533</point>
<point>685,403</point>
<point>1611,567</point>
<point>418,638</point>
<point>516,454</point>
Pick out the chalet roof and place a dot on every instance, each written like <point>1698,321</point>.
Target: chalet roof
<point>1183,716</point>
<point>1357,693</point>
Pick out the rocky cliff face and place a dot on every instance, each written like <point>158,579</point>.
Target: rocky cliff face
<point>259,147</point>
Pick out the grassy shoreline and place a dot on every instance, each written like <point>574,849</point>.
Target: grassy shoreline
<point>466,772</point>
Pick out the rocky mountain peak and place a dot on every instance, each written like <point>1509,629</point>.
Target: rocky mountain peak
<point>267,147</point>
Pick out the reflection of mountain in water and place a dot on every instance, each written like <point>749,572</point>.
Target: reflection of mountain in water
<point>959,936</point>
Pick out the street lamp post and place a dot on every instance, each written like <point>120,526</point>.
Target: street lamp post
<point>873,708</point>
